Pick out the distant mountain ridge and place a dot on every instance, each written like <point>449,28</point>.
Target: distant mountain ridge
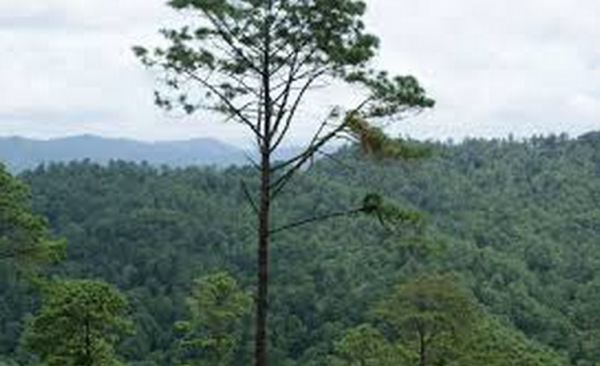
<point>19,153</point>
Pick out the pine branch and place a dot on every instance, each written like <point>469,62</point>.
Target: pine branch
<point>315,219</point>
<point>227,101</point>
<point>248,197</point>
<point>225,32</point>
<point>291,114</point>
<point>318,142</point>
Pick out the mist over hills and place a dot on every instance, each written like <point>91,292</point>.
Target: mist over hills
<point>21,153</point>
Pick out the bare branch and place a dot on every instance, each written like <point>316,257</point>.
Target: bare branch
<point>297,162</point>
<point>259,119</point>
<point>249,197</point>
<point>292,112</point>
<point>302,158</point>
<point>227,101</point>
<point>299,76</point>
<point>314,140</point>
<point>336,160</point>
<point>252,161</point>
<point>225,32</point>
<point>286,94</point>
<point>315,219</point>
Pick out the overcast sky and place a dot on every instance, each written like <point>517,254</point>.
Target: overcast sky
<point>518,67</point>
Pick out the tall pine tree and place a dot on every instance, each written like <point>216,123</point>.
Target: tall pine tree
<point>255,62</point>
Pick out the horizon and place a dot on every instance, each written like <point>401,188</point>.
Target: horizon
<point>509,137</point>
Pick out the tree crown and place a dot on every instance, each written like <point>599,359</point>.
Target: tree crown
<point>254,61</point>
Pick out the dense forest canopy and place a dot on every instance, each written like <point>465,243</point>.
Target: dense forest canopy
<point>511,233</point>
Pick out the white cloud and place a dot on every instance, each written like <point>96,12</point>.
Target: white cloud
<point>496,67</point>
<point>526,66</point>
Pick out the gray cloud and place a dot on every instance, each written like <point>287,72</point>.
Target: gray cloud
<point>523,67</point>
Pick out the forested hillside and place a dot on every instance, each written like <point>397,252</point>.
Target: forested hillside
<point>509,254</point>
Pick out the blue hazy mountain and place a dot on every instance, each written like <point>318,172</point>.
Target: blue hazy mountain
<point>21,153</point>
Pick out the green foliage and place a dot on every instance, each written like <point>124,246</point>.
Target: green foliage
<point>216,308</point>
<point>255,62</point>
<point>434,321</point>
<point>432,315</point>
<point>25,244</point>
<point>376,144</point>
<point>24,236</point>
<point>366,346</point>
<point>7,362</point>
<point>492,344</point>
<point>390,214</point>
<point>306,40</point>
<point>78,325</point>
<point>516,222</point>
<point>429,304</point>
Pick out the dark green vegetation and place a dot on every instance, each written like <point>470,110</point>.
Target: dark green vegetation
<point>24,236</point>
<point>506,271</point>
<point>78,325</point>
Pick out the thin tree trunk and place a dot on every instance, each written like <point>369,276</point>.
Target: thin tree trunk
<point>261,358</point>
<point>88,343</point>
<point>422,348</point>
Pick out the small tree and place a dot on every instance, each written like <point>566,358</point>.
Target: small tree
<point>79,324</point>
<point>24,236</point>
<point>366,346</point>
<point>433,321</point>
<point>432,314</point>
<point>255,61</point>
<point>216,308</point>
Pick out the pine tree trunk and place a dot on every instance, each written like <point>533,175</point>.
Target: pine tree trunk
<point>261,355</point>
<point>422,348</point>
